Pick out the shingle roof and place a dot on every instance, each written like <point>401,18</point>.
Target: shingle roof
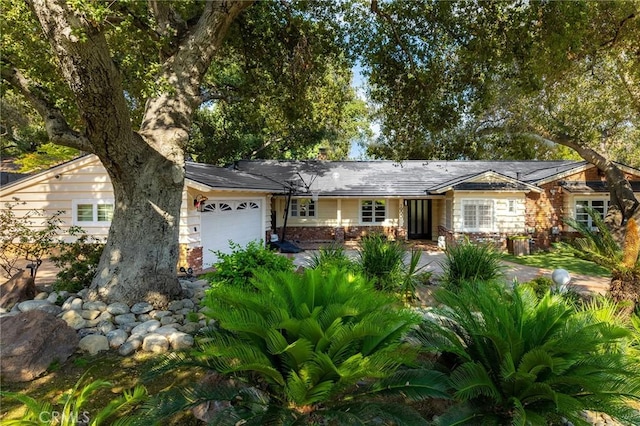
<point>409,178</point>
<point>223,178</point>
<point>593,186</point>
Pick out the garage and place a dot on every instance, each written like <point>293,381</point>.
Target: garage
<point>240,221</point>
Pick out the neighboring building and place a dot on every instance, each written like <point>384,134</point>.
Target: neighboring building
<point>337,201</point>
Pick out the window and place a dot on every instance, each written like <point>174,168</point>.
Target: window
<point>511,206</point>
<point>92,212</point>
<point>477,215</point>
<point>600,205</point>
<point>373,211</point>
<point>303,207</point>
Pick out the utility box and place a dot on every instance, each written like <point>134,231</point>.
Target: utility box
<point>518,245</point>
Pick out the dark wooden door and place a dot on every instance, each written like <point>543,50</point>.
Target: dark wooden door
<point>419,218</point>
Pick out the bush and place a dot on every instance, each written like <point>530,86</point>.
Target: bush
<point>516,359</point>
<point>304,349</point>
<point>78,260</point>
<point>540,285</point>
<point>331,256</point>
<point>239,266</point>
<point>468,262</point>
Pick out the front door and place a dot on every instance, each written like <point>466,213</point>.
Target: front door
<point>419,218</point>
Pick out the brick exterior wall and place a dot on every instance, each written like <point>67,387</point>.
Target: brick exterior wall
<point>190,258</point>
<point>340,234</point>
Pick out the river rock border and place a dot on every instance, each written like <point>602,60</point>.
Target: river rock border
<point>125,328</point>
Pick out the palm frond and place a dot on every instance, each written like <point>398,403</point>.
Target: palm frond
<point>471,380</point>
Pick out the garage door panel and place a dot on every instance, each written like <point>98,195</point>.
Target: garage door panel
<point>229,220</point>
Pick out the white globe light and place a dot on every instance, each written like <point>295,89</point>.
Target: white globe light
<point>560,277</point>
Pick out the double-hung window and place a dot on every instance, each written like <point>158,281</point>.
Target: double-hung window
<point>373,211</point>
<point>477,215</point>
<point>92,212</point>
<point>303,207</point>
<point>599,205</point>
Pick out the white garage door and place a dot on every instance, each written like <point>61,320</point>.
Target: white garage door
<point>240,221</point>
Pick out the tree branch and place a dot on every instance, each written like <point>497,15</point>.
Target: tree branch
<point>56,125</point>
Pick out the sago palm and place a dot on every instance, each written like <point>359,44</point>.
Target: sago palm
<point>304,349</point>
<point>514,358</point>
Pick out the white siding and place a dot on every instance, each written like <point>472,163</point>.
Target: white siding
<point>504,220</point>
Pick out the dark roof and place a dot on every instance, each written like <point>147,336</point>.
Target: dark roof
<point>593,186</point>
<point>220,177</point>
<point>10,177</point>
<point>409,178</point>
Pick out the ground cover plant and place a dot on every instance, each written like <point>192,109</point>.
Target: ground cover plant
<point>78,261</point>
<point>304,349</point>
<point>514,358</point>
<point>560,257</point>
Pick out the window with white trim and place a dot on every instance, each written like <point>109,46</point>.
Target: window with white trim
<point>600,205</point>
<point>511,206</point>
<point>373,211</point>
<point>477,215</point>
<point>92,212</point>
<point>303,207</point>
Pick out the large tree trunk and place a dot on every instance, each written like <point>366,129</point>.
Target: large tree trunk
<point>140,257</point>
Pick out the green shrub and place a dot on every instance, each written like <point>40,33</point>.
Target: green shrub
<point>78,261</point>
<point>239,266</point>
<point>382,260</point>
<point>331,256</point>
<point>514,358</point>
<point>304,349</point>
<point>469,262</point>
<point>540,285</point>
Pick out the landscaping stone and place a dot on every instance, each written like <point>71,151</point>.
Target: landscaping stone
<point>105,327</point>
<point>118,308</point>
<point>144,317</point>
<point>31,305</point>
<point>141,308</point>
<point>146,327</point>
<point>76,304</point>
<point>53,298</point>
<point>94,306</point>
<point>179,340</point>
<point>125,318</point>
<point>129,326</point>
<point>128,348</point>
<point>90,314</point>
<point>41,296</point>
<point>94,343</point>
<point>167,320</point>
<point>30,342</point>
<point>87,331</point>
<point>189,327</point>
<point>17,289</point>
<point>116,338</point>
<point>74,319</point>
<point>159,314</point>
<point>155,343</point>
<point>54,310</point>
<point>67,305</point>
<point>176,305</point>
<point>105,316</point>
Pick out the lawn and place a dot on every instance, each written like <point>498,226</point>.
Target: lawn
<point>558,258</point>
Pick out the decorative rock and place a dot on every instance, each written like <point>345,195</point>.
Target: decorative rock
<point>188,303</point>
<point>41,296</point>
<point>31,305</point>
<point>90,314</point>
<point>54,310</point>
<point>124,318</point>
<point>66,306</point>
<point>155,343</point>
<point>178,318</point>
<point>94,343</point>
<point>83,293</point>
<point>94,306</point>
<point>74,319</point>
<point>129,326</point>
<point>105,316</point>
<point>105,327</point>
<point>30,342</point>
<point>116,338</point>
<point>167,320</point>
<point>141,308</point>
<point>189,327</point>
<point>53,298</point>
<point>165,331</point>
<point>129,347</point>
<point>176,305</point>
<point>76,304</point>
<point>159,314</point>
<point>118,308</point>
<point>181,341</point>
<point>144,317</point>
<point>63,294</point>
<point>145,328</point>
<point>87,331</point>
<point>184,311</point>
<point>17,289</point>
<point>93,322</point>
